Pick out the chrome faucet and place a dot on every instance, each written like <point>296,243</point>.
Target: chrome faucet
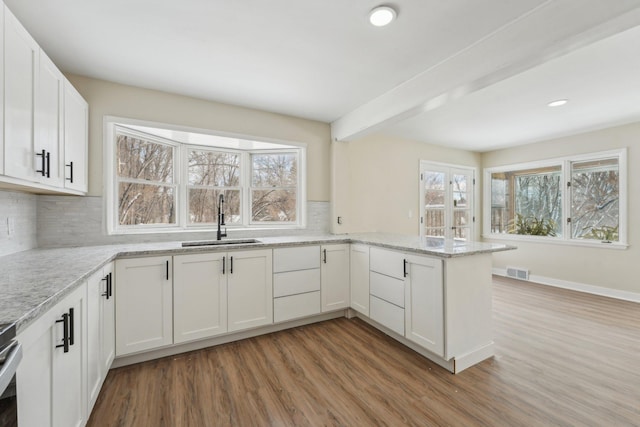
<point>220,234</point>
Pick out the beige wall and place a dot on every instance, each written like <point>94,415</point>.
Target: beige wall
<point>376,182</point>
<point>616,269</point>
<point>111,99</point>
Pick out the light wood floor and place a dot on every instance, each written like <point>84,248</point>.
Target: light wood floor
<point>562,359</point>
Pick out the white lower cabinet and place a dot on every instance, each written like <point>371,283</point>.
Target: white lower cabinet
<point>249,289</point>
<point>199,296</point>
<point>424,309</point>
<point>387,314</point>
<point>101,330</point>
<point>407,296</point>
<point>296,306</point>
<point>144,304</point>
<point>296,282</point>
<point>51,379</point>
<point>359,278</point>
<point>334,275</point>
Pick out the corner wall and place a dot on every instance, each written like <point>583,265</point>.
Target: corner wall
<point>376,182</point>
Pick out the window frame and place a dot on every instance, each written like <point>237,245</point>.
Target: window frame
<point>114,125</point>
<point>250,187</point>
<point>564,163</point>
<point>240,187</point>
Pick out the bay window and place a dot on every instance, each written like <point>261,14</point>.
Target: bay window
<point>160,179</point>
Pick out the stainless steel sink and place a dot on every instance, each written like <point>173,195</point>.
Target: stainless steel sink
<point>219,242</point>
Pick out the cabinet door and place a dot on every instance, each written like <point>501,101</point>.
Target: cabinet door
<point>108,325</point>
<point>69,395</point>
<point>20,68</point>
<point>250,289</point>
<point>143,304</point>
<point>76,119</point>
<point>33,378</point>
<point>334,277</point>
<point>359,275</point>
<point>424,303</point>
<point>51,382</point>
<point>2,8</point>
<point>48,123</point>
<point>199,296</point>
<point>96,286</point>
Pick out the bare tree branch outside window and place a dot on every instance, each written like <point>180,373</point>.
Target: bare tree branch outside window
<point>146,194</point>
<point>274,181</point>
<point>212,173</point>
<point>595,200</point>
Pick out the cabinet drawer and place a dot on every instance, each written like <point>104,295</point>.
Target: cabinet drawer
<point>387,288</point>
<point>295,306</point>
<point>296,258</point>
<point>389,263</point>
<point>296,282</point>
<point>387,314</point>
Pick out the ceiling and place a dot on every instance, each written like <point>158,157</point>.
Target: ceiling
<point>460,73</point>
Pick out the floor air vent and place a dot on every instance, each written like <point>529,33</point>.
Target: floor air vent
<point>518,273</point>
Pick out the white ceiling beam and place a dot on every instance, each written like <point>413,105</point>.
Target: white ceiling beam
<point>544,33</point>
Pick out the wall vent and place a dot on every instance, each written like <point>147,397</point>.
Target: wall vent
<point>518,273</point>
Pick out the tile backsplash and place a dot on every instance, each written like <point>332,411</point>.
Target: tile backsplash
<point>18,222</point>
<point>78,221</point>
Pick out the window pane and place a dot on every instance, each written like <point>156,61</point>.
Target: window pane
<point>595,200</point>
<point>461,233</point>
<point>146,204</point>
<point>140,159</point>
<point>434,218</point>
<point>215,169</point>
<point>499,197</point>
<point>435,232</point>
<point>274,170</point>
<point>461,218</point>
<point>460,199</point>
<point>273,205</point>
<point>527,202</point>
<point>459,183</point>
<point>434,198</point>
<point>434,180</point>
<point>203,206</point>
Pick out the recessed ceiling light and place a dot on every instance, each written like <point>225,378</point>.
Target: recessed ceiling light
<point>557,102</point>
<point>382,15</point>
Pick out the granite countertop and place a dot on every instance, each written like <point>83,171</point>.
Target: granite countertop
<point>33,281</point>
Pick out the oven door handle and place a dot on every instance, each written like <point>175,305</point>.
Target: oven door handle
<point>10,366</point>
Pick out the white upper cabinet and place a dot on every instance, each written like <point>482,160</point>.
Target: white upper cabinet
<point>44,120</point>
<point>48,123</point>
<point>76,119</point>
<point>21,55</point>
<point>2,8</point>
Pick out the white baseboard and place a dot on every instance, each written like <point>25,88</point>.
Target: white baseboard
<point>575,286</point>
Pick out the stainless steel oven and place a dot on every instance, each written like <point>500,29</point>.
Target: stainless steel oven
<point>10,356</point>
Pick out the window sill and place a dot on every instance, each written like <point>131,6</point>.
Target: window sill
<point>556,241</point>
